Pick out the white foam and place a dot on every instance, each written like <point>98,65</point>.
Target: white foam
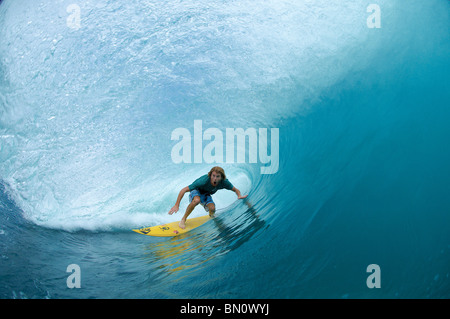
<point>145,205</point>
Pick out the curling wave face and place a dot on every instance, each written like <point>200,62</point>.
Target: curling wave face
<point>87,111</point>
<point>89,104</point>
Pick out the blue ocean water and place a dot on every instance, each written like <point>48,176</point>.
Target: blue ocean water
<point>90,93</point>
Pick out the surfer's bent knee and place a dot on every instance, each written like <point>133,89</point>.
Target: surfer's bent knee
<point>196,200</point>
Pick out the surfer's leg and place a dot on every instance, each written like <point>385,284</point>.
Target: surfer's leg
<point>195,201</point>
<point>212,208</point>
<point>210,204</point>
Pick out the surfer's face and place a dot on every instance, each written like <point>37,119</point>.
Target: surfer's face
<point>215,178</point>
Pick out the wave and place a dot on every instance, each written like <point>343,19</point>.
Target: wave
<point>87,112</point>
<point>88,107</point>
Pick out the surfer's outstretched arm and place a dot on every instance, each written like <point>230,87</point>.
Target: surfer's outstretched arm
<point>175,208</point>
<point>238,193</point>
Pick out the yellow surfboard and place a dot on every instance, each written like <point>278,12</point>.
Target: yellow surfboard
<point>172,229</point>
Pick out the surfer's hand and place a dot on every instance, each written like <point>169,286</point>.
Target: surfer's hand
<point>238,193</point>
<point>174,209</point>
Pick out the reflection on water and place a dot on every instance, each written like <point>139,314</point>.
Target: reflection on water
<point>232,234</point>
<point>190,252</point>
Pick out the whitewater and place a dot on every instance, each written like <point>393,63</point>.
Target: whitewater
<point>92,91</point>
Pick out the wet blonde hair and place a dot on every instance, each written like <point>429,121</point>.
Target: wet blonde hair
<point>219,170</point>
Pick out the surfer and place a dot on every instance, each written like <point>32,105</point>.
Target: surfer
<point>201,190</point>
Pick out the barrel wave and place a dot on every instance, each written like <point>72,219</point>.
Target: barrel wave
<point>90,94</point>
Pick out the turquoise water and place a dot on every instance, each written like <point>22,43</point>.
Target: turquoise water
<point>87,111</point>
